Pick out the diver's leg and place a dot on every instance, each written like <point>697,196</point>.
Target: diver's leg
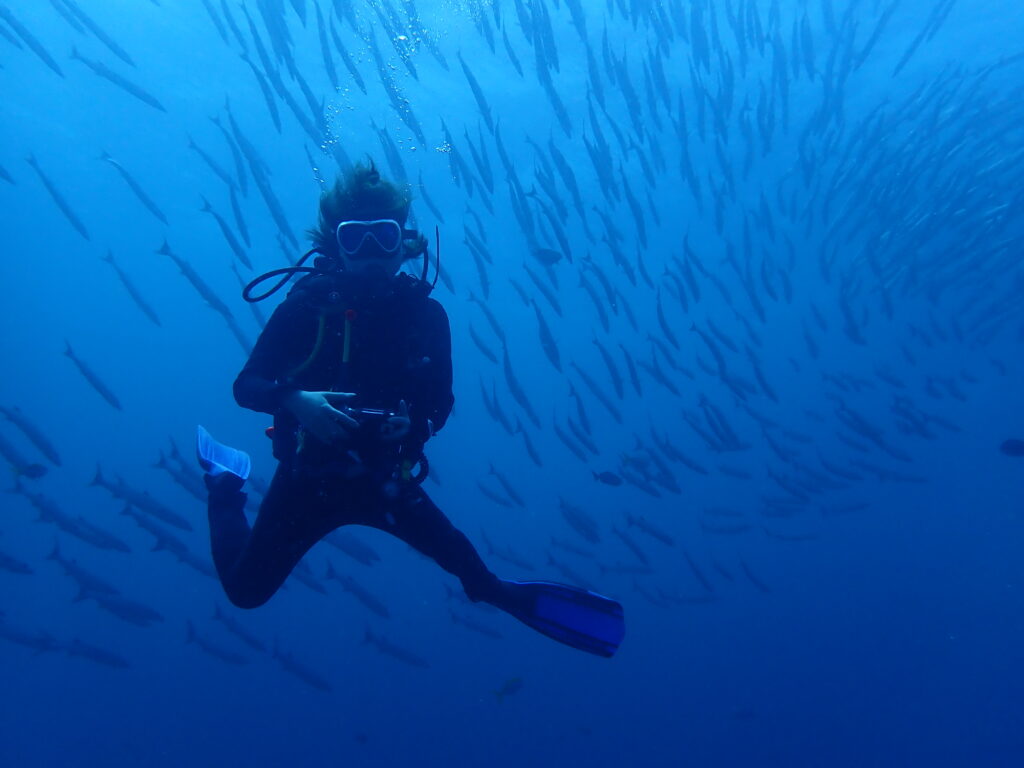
<point>228,527</point>
<point>570,615</point>
<point>417,521</point>
<point>253,564</point>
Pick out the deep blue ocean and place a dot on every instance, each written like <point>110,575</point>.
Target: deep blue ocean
<point>757,266</point>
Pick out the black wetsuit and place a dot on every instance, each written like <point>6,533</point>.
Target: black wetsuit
<point>399,347</point>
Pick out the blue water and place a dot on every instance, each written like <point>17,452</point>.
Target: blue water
<point>844,593</point>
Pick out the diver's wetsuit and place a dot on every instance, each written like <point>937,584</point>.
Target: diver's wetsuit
<point>399,347</point>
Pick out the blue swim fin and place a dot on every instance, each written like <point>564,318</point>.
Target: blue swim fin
<point>570,615</point>
<point>216,458</point>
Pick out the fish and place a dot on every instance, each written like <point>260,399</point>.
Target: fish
<point>235,628</point>
<point>580,521</point>
<point>388,648</point>
<point>199,564</point>
<point>602,398</point>
<point>212,649</point>
<point>509,487</point>
<point>482,345</point>
<point>627,310</point>
<point>127,610</point>
<point>547,339</point>
<point>608,478</point>
<point>622,569</point>
<point>631,369</point>
<point>724,530</point>
<point>585,430</point>
<point>782,536</point>
<point>569,574</point>
<point>697,572</point>
<point>30,40</point>
<point>510,52</point>
<point>87,582</point>
<point>492,319</point>
<point>204,290</point>
<point>759,375</point>
<point>218,170</point>
<point>133,292</point>
<point>639,480</point>
<point>240,219</point>
<point>1012,447</point>
<point>507,554</point>
<point>303,574</point>
<point>479,156</point>
<point>595,299</point>
<point>83,18</point>
<point>14,565</point>
<point>712,347</point>
<point>258,169</point>
<point>545,290</point>
<point>120,81</point>
<point>59,199</point>
<point>265,89</point>
<point>359,592</point>
<point>254,308</point>
<point>236,32</point>
<point>721,337</point>
<point>509,687</point>
<point>300,671</point>
<point>136,188</point>
<point>325,48</point>
<point>720,426</point>
<point>141,500</point>
<point>165,540</point>
<point>485,283</point>
<point>739,474</point>
<point>518,394</point>
<point>501,501</point>
<point>478,94</point>
<point>351,545</point>
<point>236,247</point>
<point>475,626</point>
<point>646,527</point>
<point>21,466</point>
<point>547,256</point>
<point>91,377</point>
<point>434,209</point>
<point>494,408</point>
<point>613,371</point>
<point>93,534</point>
<point>754,579</point>
<point>39,642</point>
<point>391,153</point>
<point>102,656</point>
<point>531,449</point>
<point>346,58</point>
<point>631,545</point>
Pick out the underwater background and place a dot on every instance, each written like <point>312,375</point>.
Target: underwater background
<point>736,301</point>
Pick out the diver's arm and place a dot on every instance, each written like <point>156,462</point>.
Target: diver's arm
<point>260,385</point>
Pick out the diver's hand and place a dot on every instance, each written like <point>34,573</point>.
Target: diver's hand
<point>319,417</point>
<point>394,428</point>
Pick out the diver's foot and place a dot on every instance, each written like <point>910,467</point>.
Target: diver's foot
<point>223,484</point>
<point>218,459</point>
<point>575,617</point>
<point>511,597</point>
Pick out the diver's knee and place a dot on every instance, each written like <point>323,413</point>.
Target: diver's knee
<point>246,599</point>
<point>484,590</point>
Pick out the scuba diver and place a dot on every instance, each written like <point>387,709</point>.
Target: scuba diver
<point>355,367</point>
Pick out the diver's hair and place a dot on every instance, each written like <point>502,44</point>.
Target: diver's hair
<point>359,194</point>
